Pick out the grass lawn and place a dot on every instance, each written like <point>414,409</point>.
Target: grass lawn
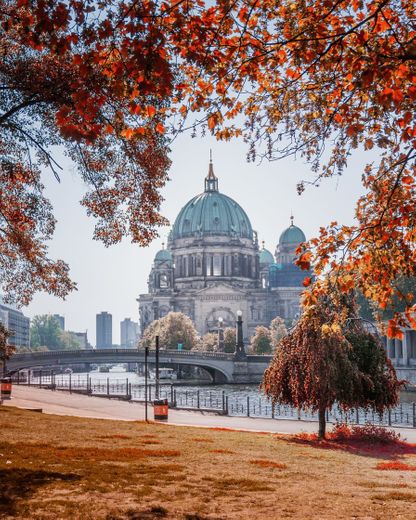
<point>54,467</point>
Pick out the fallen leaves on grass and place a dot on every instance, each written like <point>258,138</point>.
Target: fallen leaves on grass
<point>268,464</point>
<point>396,495</point>
<point>395,465</point>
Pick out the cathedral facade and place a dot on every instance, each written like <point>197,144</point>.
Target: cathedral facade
<point>213,267</point>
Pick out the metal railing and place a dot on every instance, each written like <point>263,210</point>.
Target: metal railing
<point>217,401</point>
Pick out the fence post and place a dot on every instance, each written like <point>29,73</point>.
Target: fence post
<point>414,415</point>
<point>40,378</point>
<point>18,377</point>
<point>174,397</point>
<point>248,406</point>
<point>357,416</point>
<point>197,399</point>
<point>223,401</point>
<point>28,377</point>
<point>171,393</point>
<point>108,387</point>
<point>389,417</point>
<point>272,410</point>
<point>70,383</point>
<point>226,405</point>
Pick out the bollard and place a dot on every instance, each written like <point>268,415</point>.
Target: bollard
<point>160,409</point>
<point>6,388</point>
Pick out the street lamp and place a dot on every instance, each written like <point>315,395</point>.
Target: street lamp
<point>220,335</point>
<point>239,347</point>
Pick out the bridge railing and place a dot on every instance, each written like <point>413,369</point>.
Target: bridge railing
<point>28,356</point>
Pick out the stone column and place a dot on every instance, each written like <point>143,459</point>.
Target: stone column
<point>391,348</point>
<point>406,344</point>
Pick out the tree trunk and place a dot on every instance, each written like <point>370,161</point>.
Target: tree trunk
<point>322,422</point>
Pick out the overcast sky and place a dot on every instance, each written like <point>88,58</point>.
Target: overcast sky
<point>110,279</point>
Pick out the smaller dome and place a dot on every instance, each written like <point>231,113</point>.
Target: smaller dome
<point>164,255</point>
<point>292,235</point>
<point>266,258</point>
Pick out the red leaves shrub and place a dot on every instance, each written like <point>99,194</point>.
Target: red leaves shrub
<point>395,465</point>
<point>368,433</point>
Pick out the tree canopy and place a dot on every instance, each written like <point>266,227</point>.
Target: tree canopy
<point>261,341</point>
<point>116,81</point>
<point>45,331</point>
<point>172,329</point>
<point>319,363</point>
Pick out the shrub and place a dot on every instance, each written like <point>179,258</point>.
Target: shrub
<point>366,433</point>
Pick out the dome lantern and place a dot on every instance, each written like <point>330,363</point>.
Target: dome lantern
<point>211,181</point>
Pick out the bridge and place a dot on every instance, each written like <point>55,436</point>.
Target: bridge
<point>223,368</point>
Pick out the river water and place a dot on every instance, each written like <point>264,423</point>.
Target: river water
<point>117,377</point>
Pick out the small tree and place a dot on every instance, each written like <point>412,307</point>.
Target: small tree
<point>261,342</point>
<point>172,329</point>
<point>278,330</point>
<point>230,339</point>
<point>208,343</point>
<point>6,350</point>
<point>319,364</point>
<point>45,332</point>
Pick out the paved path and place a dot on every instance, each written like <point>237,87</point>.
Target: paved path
<point>63,403</point>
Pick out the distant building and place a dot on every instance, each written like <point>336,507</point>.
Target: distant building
<point>104,330</point>
<point>82,338</point>
<point>17,323</point>
<point>129,333</point>
<point>61,320</point>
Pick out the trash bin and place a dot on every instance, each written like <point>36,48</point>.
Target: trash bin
<point>160,408</point>
<point>6,388</point>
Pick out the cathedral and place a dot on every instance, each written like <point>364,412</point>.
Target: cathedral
<point>213,267</point>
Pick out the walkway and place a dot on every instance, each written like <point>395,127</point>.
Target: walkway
<point>63,403</point>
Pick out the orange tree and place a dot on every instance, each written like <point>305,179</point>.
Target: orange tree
<point>113,81</point>
<point>96,78</point>
<point>320,364</point>
<point>312,76</point>
<point>6,350</point>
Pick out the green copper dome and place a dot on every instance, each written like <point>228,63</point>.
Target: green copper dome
<point>292,235</point>
<point>266,258</point>
<point>163,255</point>
<point>212,213</point>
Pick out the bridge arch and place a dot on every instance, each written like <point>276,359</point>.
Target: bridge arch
<point>218,365</point>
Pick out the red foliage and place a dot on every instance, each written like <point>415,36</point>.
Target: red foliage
<point>369,439</point>
<point>395,465</point>
<point>268,464</point>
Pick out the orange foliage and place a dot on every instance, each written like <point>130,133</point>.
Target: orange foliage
<point>395,465</point>
<point>268,464</point>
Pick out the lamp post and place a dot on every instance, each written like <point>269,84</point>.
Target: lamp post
<point>220,335</point>
<point>239,347</point>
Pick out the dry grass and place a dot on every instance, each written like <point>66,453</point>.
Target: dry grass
<point>54,467</point>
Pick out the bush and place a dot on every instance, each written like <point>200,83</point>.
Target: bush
<point>367,433</point>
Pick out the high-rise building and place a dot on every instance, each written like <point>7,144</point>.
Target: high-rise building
<point>129,333</point>
<point>61,320</point>
<point>17,323</point>
<point>104,330</point>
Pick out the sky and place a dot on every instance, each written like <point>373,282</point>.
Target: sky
<point>110,279</point>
